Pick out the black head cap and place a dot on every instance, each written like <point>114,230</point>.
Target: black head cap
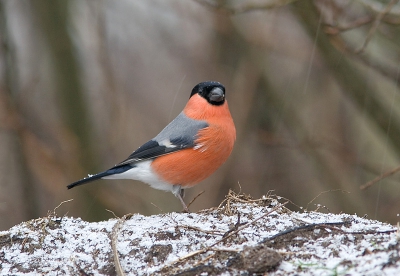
<point>212,91</point>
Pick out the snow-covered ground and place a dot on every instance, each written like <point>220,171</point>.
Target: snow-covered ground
<point>241,236</point>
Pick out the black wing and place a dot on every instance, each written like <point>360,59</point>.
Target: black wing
<point>153,149</point>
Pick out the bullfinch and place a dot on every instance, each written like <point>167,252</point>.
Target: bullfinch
<point>187,150</point>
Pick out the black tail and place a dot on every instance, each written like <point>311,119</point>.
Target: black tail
<point>115,170</point>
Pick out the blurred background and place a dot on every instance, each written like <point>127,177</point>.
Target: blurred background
<point>313,87</point>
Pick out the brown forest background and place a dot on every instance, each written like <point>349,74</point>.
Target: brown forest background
<point>313,87</point>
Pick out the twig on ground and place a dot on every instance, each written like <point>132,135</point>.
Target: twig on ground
<point>210,232</point>
<point>324,192</point>
<point>65,201</point>
<point>304,227</point>
<point>157,207</point>
<point>115,216</point>
<point>325,225</point>
<point>235,227</point>
<point>190,203</point>
<point>210,247</point>
<point>114,239</point>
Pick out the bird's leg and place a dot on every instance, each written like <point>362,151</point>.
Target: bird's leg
<point>180,193</point>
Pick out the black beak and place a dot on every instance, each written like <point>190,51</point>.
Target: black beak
<point>216,95</point>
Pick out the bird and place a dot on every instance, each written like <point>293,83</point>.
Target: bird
<point>188,150</point>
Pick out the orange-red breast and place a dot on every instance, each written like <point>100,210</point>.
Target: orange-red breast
<point>187,150</point>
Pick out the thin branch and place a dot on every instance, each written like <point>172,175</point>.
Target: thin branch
<point>334,30</point>
<point>379,178</point>
<point>247,6</point>
<point>378,7</point>
<point>384,69</point>
<point>376,23</point>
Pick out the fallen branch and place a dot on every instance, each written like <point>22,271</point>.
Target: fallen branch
<point>117,227</point>
<point>210,247</point>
